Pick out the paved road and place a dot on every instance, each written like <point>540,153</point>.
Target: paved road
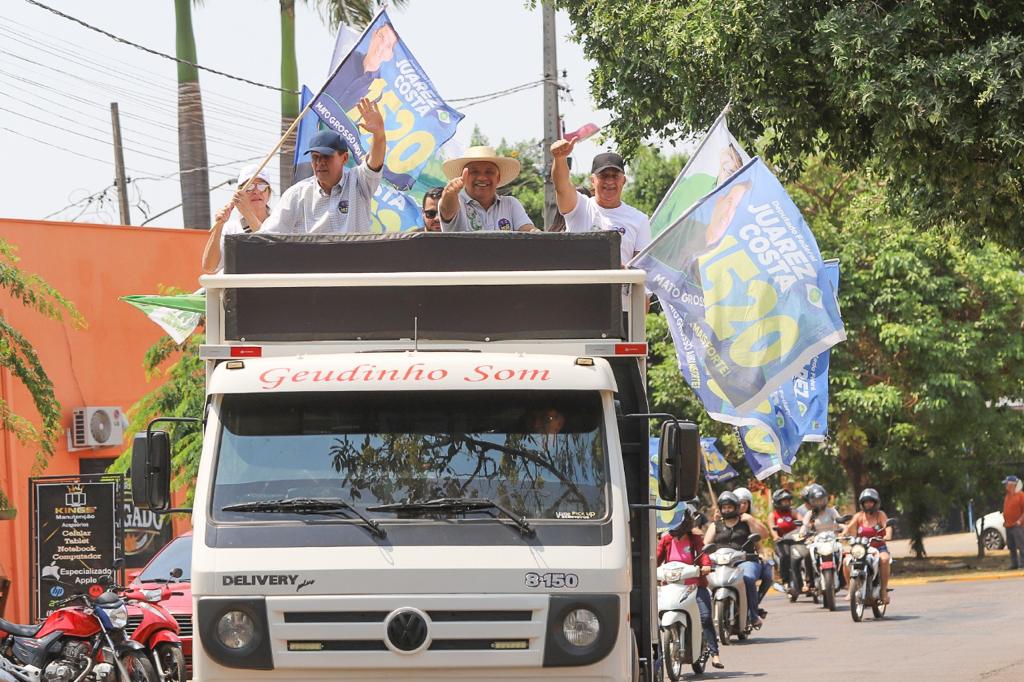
<point>940,631</point>
<point>941,545</point>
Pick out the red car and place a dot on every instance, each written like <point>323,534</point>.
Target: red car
<point>176,555</point>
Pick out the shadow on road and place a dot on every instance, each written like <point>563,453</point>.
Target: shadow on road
<point>723,675</point>
<point>896,617</point>
<point>773,640</point>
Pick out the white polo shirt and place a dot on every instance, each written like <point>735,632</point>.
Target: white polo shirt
<point>305,208</point>
<point>631,224</point>
<point>505,214</point>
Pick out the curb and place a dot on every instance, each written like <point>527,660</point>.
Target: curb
<point>965,578</point>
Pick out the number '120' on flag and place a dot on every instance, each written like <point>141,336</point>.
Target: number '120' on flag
<point>747,297</point>
<point>381,68</point>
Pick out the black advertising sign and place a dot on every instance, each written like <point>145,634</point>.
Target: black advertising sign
<point>76,538</point>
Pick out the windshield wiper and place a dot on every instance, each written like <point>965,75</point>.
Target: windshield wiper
<point>307,505</point>
<point>460,505</point>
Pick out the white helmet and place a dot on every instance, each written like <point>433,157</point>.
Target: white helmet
<point>744,496</point>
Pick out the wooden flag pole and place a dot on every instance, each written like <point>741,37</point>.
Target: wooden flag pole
<point>277,146</point>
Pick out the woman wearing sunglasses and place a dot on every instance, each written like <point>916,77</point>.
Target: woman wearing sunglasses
<point>244,214</point>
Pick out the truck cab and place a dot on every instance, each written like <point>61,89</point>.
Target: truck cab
<point>424,455</point>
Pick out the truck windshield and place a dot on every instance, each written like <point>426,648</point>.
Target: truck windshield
<point>540,454</point>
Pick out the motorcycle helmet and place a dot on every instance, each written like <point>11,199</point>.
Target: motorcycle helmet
<point>869,494</point>
<point>743,495</point>
<point>782,499</point>
<point>686,522</point>
<point>817,496</point>
<point>728,498</point>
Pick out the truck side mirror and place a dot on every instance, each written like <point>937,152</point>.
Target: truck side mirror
<point>678,461</point>
<point>151,470</point>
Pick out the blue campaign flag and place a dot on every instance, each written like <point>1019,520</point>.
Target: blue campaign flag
<point>716,468</point>
<point>795,413</point>
<point>745,291</point>
<point>381,68</point>
<point>301,168</point>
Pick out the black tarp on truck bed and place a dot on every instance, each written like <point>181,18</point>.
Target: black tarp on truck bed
<point>460,312</point>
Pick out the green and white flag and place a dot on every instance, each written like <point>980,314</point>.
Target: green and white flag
<point>717,157</point>
<point>177,315</point>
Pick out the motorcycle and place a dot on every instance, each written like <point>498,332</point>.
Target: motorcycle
<point>865,577</point>
<point>81,643</point>
<point>825,558</point>
<point>159,632</point>
<point>729,594</point>
<point>784,551</point>
<point>682,638</point>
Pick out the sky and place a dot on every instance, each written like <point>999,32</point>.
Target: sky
<point>59,79</point>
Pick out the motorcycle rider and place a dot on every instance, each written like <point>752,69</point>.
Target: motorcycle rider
<point>732,530</point>
<point>783,527</point>
<point>767,569</point>
<point>870,522</point>
<point>819,518</point>
<point>681,543</point>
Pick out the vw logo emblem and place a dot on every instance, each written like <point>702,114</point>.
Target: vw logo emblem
<point>406,630</point>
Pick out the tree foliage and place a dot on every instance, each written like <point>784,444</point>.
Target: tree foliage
<point>929,94</point>
<point>182,393</point>
<point>650,174</point>
<point>19,357</point>
<point>935,350</point>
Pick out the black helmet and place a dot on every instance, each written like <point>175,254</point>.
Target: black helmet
<point>729,498</point>
<point>817,496</point>
<point>686,522</point>
<point>780,496</point>
<point>869,494</point>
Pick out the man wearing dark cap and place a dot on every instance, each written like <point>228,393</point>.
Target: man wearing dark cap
<point>604,210</point>
<point>333,201</point>
<point>1013,519</point>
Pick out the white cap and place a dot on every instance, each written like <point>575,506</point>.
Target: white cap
<point>250,172</point>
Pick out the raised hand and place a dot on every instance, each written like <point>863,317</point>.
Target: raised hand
<point>455,185</point>
<point>371,119</point>
<point>562,148</point>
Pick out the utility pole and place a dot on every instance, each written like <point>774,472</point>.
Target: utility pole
<point>122,186</point>
<point>551,121</point>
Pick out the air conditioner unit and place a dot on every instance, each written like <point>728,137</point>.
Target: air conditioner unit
<point>97,427</point>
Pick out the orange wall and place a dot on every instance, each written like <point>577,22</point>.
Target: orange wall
<point>91,265</point>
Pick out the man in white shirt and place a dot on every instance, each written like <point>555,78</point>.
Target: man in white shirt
<point>604,210</point>
<point>470,201</point>
<point>333,201</point>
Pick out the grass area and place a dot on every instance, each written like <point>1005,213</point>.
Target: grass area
<point>932,566</point>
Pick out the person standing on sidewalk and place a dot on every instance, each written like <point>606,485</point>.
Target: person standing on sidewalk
<point>1013,519</point>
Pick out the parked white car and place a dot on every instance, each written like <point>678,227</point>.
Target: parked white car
<point>994,535</point>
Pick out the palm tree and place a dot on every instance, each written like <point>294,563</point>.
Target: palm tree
<point>354,13</point>
<point>19,358</point>
<point>192,161</point>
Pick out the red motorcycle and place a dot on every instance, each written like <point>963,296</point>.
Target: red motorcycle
<point>158,632</point>
<point>81,643</point>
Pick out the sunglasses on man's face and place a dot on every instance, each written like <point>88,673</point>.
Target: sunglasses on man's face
<point>430,214</point>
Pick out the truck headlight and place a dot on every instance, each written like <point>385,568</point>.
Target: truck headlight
<point>118,616</point>
<point>858,551</point>
<point>581,627</point>
<point>236,630</point>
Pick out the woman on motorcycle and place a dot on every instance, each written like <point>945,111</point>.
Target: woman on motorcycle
<point>870,522</point>
<point>683,544</point>
<point>732,530</point>
<point>767,568</point>
<point>819,518</point>
<point>783,527</point>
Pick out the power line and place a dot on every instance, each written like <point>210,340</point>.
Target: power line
<point>155,52</point>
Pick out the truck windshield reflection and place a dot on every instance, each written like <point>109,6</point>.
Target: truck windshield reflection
<point>539,454</point>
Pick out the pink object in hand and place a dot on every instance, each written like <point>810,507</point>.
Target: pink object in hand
<point>582,133</point>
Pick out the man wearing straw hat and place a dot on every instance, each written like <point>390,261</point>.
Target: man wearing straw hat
<point>333,201</point>
<point>470,201</point>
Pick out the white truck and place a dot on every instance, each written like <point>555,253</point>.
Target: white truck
<point>424,457</point>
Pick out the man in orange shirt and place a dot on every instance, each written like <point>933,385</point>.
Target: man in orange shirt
<point>1013,519</point>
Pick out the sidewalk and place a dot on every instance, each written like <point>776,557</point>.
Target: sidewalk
<point>958,544</point>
